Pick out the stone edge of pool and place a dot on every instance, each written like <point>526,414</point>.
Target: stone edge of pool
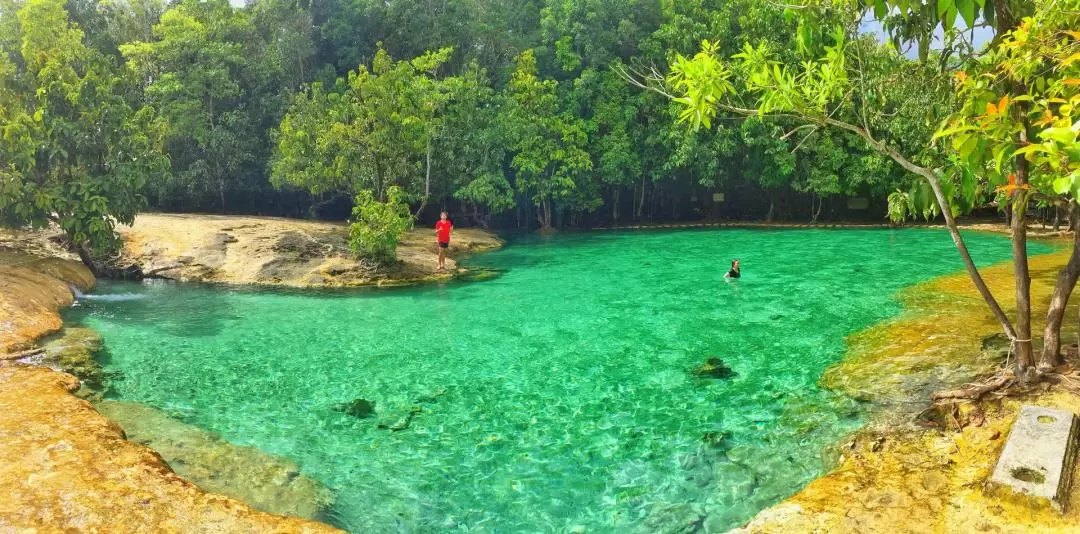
<point>894,476</point>
<point>64,465</point>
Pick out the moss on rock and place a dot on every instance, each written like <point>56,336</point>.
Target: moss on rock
<point>266,482</point>
<point>73,351</point>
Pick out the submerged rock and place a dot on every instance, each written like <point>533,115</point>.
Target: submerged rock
<point>401,421</point>
<point>478,275</point>
<point>717,439</point>
<point>266,482</point>
<point>73,351</point>
<point>359,408</point>
<point>714,368</point>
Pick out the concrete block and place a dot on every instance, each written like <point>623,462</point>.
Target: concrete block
<point>1038,456</point>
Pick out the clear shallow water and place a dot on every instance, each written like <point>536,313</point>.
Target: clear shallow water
<point>553,398</point>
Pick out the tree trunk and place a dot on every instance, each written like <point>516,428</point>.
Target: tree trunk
<point>615,205</point>
<point>1059,303</point>
<point>1024,355</point>
<point>543,214</point>
<point>641,199</point>
<point>86,258</point>
<point>427,183</point>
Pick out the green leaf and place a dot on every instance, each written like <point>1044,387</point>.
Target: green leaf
<point>944,6</point>
<point>1062,185</point>
<point>1030,149</point>
<point>1063,135</point>
<point>949,20</point>
<point>967,11</point>
<point>880,9</point>
<point>952,131</point>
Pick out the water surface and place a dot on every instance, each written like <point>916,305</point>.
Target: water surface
<point>557,397</point>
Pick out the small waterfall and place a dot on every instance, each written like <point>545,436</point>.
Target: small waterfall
<point>113,297</point>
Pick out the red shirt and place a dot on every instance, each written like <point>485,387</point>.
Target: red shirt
<point>442,231</point>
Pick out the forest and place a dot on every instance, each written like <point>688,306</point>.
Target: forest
<point>545,114</point>
<point>513,114</point>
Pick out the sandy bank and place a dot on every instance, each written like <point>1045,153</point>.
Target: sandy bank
<point>279,252</point>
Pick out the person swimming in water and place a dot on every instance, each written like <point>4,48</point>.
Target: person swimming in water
<point>735,270</point>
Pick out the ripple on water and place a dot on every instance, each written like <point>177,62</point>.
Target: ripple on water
<point>559,395</point>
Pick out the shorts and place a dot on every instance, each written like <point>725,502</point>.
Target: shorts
<point>444,244</point>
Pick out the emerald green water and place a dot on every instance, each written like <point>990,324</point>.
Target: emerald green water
<point>557,397</point>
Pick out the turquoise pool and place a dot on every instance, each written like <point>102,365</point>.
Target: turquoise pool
<point>558,397</point>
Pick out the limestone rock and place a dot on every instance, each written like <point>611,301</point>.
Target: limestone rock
<point>925,481</point>
<point>73,351</point>
<point>278,252</point>
<point>32,291</point>
<point>266,482</point>
<point>65,467</point>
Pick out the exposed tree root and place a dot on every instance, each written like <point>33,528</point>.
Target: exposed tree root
<point>1007,383</point>
<point>975,391</point>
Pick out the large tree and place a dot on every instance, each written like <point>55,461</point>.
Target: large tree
<point>370,131</point>
<point>203,72</point>
<point>72,150</point>
<point>548,145</point>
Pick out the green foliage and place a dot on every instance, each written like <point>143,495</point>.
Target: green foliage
<point>71,149</point>
<point>1019,100</point>
<point>377,226</point>
<point>277,105</point>
<point>548,145</point>
<point>195,71</point>
<point>469,147</point>
<point>368,133</point>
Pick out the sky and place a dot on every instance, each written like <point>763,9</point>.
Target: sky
<point>981,35</point>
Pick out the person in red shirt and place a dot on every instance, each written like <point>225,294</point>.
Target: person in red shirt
<point>442,235</point>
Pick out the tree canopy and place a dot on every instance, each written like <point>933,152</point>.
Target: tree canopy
<point>510,114</point>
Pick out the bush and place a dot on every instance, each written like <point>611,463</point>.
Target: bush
<point>377,226</point>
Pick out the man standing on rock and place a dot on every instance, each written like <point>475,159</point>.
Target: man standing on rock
<point>442,235</point>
